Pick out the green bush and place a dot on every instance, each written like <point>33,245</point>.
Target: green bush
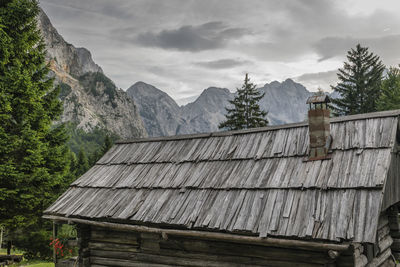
<point>35,241</point>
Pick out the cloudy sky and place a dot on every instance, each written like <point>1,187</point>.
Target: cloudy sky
<point>185,46</point>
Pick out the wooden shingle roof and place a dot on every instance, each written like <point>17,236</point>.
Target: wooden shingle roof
<point>253,182</point>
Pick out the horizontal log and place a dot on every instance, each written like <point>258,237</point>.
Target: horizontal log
<point>148,244</point>
<point>385,243</point>
<point>112,246</point>
<point>383,221</point>
<point>221,261</point>
<point>114,237</point>
<point>123,255</point>
<point>147,259</point>
<point>211,235</point>
<point>177,245</point>
<point>384,231</point>
<point>381,258</point>
<point>247,258</point>
<point>121,263</point>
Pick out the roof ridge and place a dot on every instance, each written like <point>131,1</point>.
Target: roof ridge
<point>371,115</point>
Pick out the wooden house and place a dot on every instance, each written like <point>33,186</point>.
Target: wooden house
<point>323,193</point>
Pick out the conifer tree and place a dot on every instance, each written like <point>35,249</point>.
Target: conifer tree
<point>33,157</point>
<point>246,112</point>
<point>390,96</point>
<point>107,144</point>
<point>360,83</point>
<point>82,163</point>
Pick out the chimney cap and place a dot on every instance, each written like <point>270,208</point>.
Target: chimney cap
<point>316,99</point>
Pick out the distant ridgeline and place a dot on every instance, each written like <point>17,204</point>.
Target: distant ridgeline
<point>162,116</point>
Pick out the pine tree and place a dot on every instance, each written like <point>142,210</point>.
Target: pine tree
<point>360,82</point>
<point>390,96</point>
<point>107,144</point>
<point>82,163</point>
<point>246,112</point>
<point>34,161</point>
<point>94,157</point>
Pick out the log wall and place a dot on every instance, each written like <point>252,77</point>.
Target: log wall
<point>105,247</point>
<point>380,253</point>
<point>394,228</point>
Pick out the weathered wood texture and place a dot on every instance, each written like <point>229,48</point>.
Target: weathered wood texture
<point>392,187</point>
<point>83,242</point>
<point>253,182</point>
<point>382,253</point>
<point>226,237</point>
<point>318,214</point>
<point>141,249</point>
<point>394,230</point>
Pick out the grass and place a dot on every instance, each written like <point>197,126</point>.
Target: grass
<point>34,263</point>
<point>3,251</point>
<point>42,264</point>
<point>30,263</point>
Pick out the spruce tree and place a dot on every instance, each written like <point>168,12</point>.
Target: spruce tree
<point>107,144</point>
<point>390,96</point>
<point>246,112</point>
<point>82,163</point>
<point>360,83</point>
<point>33,157</point>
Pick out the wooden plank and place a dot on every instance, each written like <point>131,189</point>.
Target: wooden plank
<point>381,258</point>
<point>112,246</point>
<point>385,243</point>
<point>215,250</point>
<point>104,235</point>
<point>122,263</point>
<point>383,232</point>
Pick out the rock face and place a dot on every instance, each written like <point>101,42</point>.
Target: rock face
<point>160,113</point>
<point>163,117</point>
<point>91,100</point>
<point>285,103</point>
<point>207,111</point>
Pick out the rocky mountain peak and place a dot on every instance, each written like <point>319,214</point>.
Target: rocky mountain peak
<point>285,101</point>
<point>145,89</point>
<point>160,113</point>
<point>64,57</point>
<point>90,99</point>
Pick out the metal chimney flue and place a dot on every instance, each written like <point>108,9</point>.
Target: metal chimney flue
<point>319,127</point>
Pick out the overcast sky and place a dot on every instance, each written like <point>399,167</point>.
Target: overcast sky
<point>185,46</point>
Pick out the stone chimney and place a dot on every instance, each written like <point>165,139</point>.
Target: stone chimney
<point>319,127</point>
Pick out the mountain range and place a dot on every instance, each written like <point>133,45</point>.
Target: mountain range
<point>284,102</point>
<point>92,102</point>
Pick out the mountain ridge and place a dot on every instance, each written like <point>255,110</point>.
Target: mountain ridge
<point>206,112</point>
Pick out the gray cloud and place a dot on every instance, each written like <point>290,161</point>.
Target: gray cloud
<point>222,63</point>
<point>280,38</point>
<point>387,47</point>
<point>208,36</point>
<point>316,80</point>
